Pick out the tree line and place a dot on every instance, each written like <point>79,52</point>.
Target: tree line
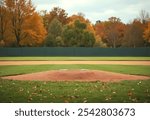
<point>22,26</point>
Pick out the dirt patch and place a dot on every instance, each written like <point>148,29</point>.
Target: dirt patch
<point>77,75</point>
<point>74,62</point>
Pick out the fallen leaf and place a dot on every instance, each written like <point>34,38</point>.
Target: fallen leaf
<point>134,100</point>
<point>114,92</point>
<point>66,101</point>
<point>75,89</point>
<point>139,83</point>
<point>132,89</point>
<point>85,101</point>
<point>34,93</point>
<point>34,87</point>
<point>21,90</point>
<point>72,97</point>
<point>30,99</point>
<point>130,93</point>
<point>108,98</point>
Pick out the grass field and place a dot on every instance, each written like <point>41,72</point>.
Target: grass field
<point>38,91</point>
<point>76,58</point>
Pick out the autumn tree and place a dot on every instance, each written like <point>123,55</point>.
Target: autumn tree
<point>56,12</point>
<point>100,34</point>
<point>19,11</point>
<point>3,20</point>
<point>100,29</point>
<point>34,31</point>
<point>111,32</point>
<point>147,33</point>
<point>54,37</point>
<point>60,14</point>
<point>114,35</point>
<point>80,17</point>
<point>134,35</point>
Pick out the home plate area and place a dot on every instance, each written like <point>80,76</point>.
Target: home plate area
<point>76,75</point>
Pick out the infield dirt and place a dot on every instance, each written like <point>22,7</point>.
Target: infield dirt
<point>74,62</point>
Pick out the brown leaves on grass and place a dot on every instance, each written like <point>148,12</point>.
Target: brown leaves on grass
<point>130,93</point>
<point>132,96</point>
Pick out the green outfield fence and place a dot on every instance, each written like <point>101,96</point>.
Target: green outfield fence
<point>73,51</point>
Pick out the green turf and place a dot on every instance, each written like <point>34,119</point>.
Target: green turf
<point>75,58</point>
<point>25,91</point>
<point>127,69</point>
<point>38,91</point>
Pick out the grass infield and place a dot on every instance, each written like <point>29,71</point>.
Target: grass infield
<point>38,91</point>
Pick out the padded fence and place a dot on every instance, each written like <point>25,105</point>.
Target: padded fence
<point>76,51</point>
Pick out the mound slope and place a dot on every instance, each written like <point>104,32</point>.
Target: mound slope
<point>76,75</point>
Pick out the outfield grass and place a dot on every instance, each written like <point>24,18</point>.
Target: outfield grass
<point>76,58</point>
<point>38,91</point>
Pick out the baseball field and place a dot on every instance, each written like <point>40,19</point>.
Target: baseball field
<point>74,79</point>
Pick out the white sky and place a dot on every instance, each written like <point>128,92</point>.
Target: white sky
<point>95,10</point>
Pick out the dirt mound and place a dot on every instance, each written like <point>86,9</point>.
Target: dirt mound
<point>76,75</point>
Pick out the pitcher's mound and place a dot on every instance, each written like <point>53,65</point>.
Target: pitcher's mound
<point>77,75</point>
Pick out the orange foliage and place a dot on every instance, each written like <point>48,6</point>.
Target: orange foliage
<point>147,33</point>
<point>34,31</point>
<point>19,11</point>
<point>100,30</point>
<point>111,31</point>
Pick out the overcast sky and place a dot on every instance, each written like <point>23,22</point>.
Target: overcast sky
<point>95,10</point>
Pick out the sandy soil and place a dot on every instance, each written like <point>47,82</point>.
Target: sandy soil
<point>76,75</point>
<point>74,62</point>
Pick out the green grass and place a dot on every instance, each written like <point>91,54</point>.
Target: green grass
<point>75,58</point>
<point>38,91</point>
<point>34,91</point>
<point>127,69</point>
